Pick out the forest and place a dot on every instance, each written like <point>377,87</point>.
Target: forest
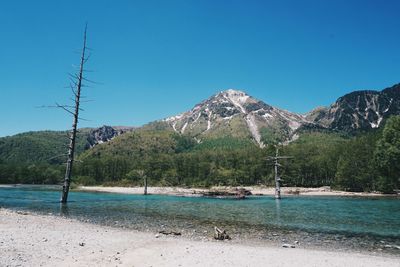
<point>367,161</point>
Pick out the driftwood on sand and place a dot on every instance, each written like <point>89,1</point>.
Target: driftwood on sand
<point>220,234</point>
<point>169,232</point>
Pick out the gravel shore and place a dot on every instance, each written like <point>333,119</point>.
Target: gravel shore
<point>255,190</point>
<point>37,240</point>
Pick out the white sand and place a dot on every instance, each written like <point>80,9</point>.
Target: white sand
<point>139,190</point>
<point>256,190</point>
<point>35,240</point>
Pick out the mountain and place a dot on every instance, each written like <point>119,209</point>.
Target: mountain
<point>233,113</point>
<point>359,110</point>
<point>228,119</point>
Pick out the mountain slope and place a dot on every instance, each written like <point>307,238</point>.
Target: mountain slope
<point>41,146</point>
<point>359,110</point>
<point>234,113</point>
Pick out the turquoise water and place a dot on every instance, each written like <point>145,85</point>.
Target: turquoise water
<point>342,222</point>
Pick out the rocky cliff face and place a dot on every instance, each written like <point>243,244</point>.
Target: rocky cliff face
<point>234,113</point>
<point>105,134</point>
<point>359,110</point>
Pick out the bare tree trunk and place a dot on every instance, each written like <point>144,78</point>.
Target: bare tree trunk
<point>277,180</point>
<point>71,148</point>
<point>145,185</point>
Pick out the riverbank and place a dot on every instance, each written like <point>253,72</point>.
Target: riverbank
<point>255,190</point>
<point>37,240</point>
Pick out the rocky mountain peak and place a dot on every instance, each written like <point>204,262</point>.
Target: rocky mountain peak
<point>232,91</point>
<point>236,98</point>
<point>234,95</point>
<point>235,113</point>
<point>359,110</point>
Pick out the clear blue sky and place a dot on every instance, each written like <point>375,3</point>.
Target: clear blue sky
<point>159,58</point>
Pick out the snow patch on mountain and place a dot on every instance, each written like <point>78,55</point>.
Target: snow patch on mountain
<point>237,98</point>
<point>209,121</point>
<point>267,115</point>
<point>174,118</point>
<point>184,127</point>
<point>390,104</point>
<point>250,120</point>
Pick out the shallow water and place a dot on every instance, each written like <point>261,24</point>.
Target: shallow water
<point>362,224</point>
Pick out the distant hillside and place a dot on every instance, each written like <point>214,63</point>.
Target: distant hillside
<point>142,143</point>
<point>41,146</point>
<point>51,146</point>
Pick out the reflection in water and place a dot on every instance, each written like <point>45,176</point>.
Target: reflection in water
<point>278,210</point>
<point>145,208</point>
<point>64,210</point>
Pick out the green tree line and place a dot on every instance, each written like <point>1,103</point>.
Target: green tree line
<point>365,162</point>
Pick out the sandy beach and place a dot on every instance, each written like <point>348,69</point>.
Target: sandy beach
<point>39,240</point>
<point>255,190</point>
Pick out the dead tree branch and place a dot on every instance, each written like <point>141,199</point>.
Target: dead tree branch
<point>77,86</point>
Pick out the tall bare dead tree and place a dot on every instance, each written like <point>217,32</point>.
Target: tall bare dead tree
<point>276,164</point>
<point>143,175</point>
<point>76,86</point>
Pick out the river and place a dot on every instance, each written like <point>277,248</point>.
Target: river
<point>357,223</point>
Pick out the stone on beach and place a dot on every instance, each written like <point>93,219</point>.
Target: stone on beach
<point>288,246</point>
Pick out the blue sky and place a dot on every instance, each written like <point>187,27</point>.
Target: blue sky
<point>158,58</point>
